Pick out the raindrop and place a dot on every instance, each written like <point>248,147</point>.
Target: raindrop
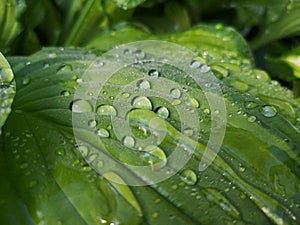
<point>142,102</point>
<point>188,176</point>
<point>92,123</point>
<point>159,153</point>
<point>175,93</point>
<point>83,150</point>
<point>268,111</point>
<point>251,119</point>
<point>106,110</point>
<point>163,112</point>
<point>144,84</point>
<point>250,105</point>
<point>65,93</point>
<point>195,64</point>
<point>80,106</point>
<point>153,73</point>
<point>128,141</point>
<point>102,133</point>
<point>204,68</point>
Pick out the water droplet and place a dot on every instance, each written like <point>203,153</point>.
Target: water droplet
<point>142,102</point>
<point>6,75</point>
<point>251,119</point>
<point>92,157</point>
<point>65,93</point>
<point>268,111</point>
<point>204,68</point>
<point>250,105</point>
<point>92,123</point>
<point>193,103</point>
<point>195,64</point>
<point>163,112</point>
<point>98,64</point>
<point>79,81</point>
<point>127,52</point>
<point>176,102</point>
<point>175,93</point>
<point>240,86</point>
<point>125,95</point>
<point>139,54</point>
<point>242,168</point>
<point>128,141</point>
<point>261,75</point>
<point>52,55</point>
<point>99,164</point>
<point>188,132</point>
<point>102,133</point>
<point>159,154</point>
<point>175,187</point>
<point>206,111</point>
<point>144,84</point>
<point>80,106</point>
<point>188,176</point>
<point>65,68</point>
<point>60,151</point>
<point>106,110</point>
<point>26,80</point>
<point>27,63</point>
<point>83,150</point>
<point>153,73</point>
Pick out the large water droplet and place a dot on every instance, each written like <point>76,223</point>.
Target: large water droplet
<point>142,102</point>
<point>81,106</point>
<point>128,141</point>
<point>163,112</point>
<point>102,133</point>
<point>193,103</point>
<point>144,84</point>
<point>188,176</point>
<point>175,93</point>
<point>153,73</point>
<point>106,110</point>
<point>159,154</point>
<point>268,111</point>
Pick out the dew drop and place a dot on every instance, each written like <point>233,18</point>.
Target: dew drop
<point>142,102</point>
<point>92,123</point>
<point>65,93</point>
<point>261,75</point>
<point>144,84</point>
<point>242,168</point>
<point>139,54</point>
<point>128,141</point>
<point>175,93</point>
<point>159,154</point>
<point>80,106</point>
<point>83,150</point>
<point>153,73</point>
<point>26,80</point>
<point>268,111</point>
<point>204,68</point>
<point>125,95</point>
<point>163,112</point>
<point>99,164</point>
<point>188,176</point>
<point>102,133</point>
<point>65,68</point>
<point>176,102</point>
<point>98,64</point>
<point>195,64</point>
<point>188,132</point>
<point>52,55</point>
<point>106,110</point>
<point>60,151</point>
<point>251,119</point>
<point>206,111</point>
<point>250,105</point>
<point>193,103</point>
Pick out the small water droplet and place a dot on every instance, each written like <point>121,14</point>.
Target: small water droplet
<point>188,176</point>
<point>195,64</point>
<point>193,103</point>
<point>163,112</point>
<point>261,75</point>
<point>79,81</point>
<point>242,168</point>
<point>92,123</point>
<point>250,105</point>
<point>153,73</point>
<point>80,106</point>
<point>102,133</point>
<point>176,102</point>
<point>268,111</point>
<point>99,164</point>
<point>125,95</point>
<point>60,151</point>
<point>143,84</point>
<point>188,132</point>
<point>204,68</point>
<point>65,68</point>
<point>92,157</point>
<point>139,54</point>
<point>127,52</point>
<point>159,154</point>
<point>52,55</point>
<point>65,93</point>
<point>251,119</point>
<point>142,102</point>
<point>26,80</point>
<point>27,63</point>
<point>98,64</point>
<point>175,93</point>
<point>206,111</point>
<point>106,110</point>
<point>128,141</point>
<point>83,150</point>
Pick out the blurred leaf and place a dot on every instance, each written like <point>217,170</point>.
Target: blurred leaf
<point>127,4</point>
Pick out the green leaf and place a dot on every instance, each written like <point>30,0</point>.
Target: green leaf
<point>57,157</point>
<point>128,4</point>
<point>7,89</point>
